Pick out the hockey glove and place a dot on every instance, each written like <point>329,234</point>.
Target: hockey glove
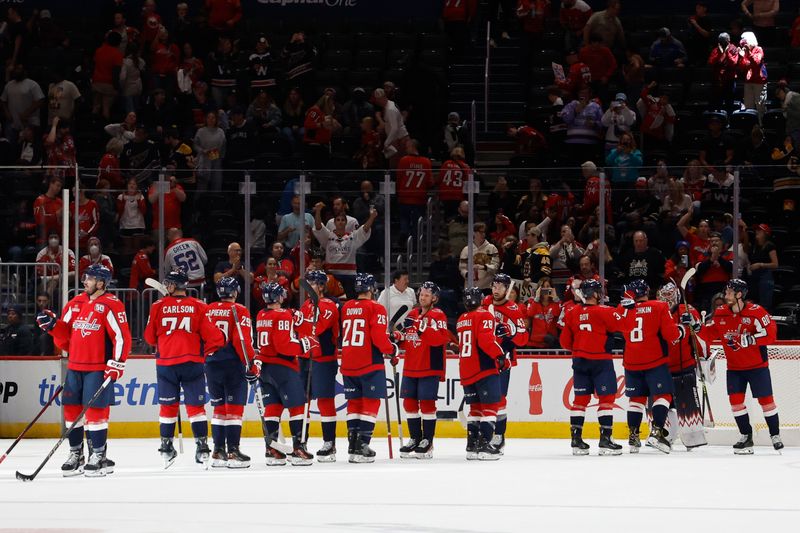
<point>627,300</point>
<point>746,340</point>
<point>407,324</point>
<point>309,343</point>
<point>114,369</point>
<point>393,357</point>
<point>46,320</point>
<point>505,329</point>
<point>687,319</point>
<point>398,336</point>
<point>253,372</point>
<point>503,363</point>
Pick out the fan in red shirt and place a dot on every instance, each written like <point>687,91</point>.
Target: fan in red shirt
<point>479,361</point>
<point>425,336</point>
<point>88,218</point>
<point>319,123</point>
<point>452,176</point>
<point>511,325</point>
<point>93,329</point>
<point>649,330</point>
<point>578,77</point>
<point>591,192</point>
<point>543,310</point>
<point>573,16</point>
<point>745,329</point>
<point>183,336</point>
<point>414,180</point>
<point>685,416</point>
<point>599,59</point>
<point>94,257</point>
<point>172,204</point>
<point>365,344</point>
<point>151,21</point>
<point>141,269</point>
<point>457,16</point>
<point>279,374</point>
<point>587,330</point>
<point>699,240</point>
<point>223,15</point>
<point>47,209</point>
<point>105,77</point>
<point>322,323</point>
<point>225,371</point>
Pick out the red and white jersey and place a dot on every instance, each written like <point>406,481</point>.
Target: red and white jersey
<point>425,343</point>
<point>566,307</point>
<point>649,331</point>
<point>325,328</point>
<point>181,332</point>
<point>93,332</point>
<point>364,337</point>
<point>543,321</point>
<point>188,255</point>
<point>452,176</point>
<point>515,315</point>
<point>459,10</point>
<point>754,320</point>
<point>414,178</point>
<point>587,329</point>
<point>680,354</point>
<point>478,347</point>
<point>141,269</point>
<point>86,261</point>
<point>46,255</point>
<point>88,219</point>
<point>277,342</point>
<point>221,315</point>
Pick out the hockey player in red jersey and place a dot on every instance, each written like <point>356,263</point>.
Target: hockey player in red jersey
<point>587,328</point>
<point>279,373</point>
<point>511,323</point>
<point>481,359</point>
<point>685,419</point>
<point>745,329</point>
<point>324,325</point>
<point>93,329</point>
<point>225,373</point>
<point>425,336</point>
<point>649,331</point>
<point>183,336</point>
<point>365,344</point>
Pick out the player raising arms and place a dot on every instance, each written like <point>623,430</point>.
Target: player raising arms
<point>94,331</point>
<point>225,372</point>
<point>649,329</point>
<point>511,330</point>
<point>586,332</point>
<point>325,326</point>
<point>365,343</point>
<point>183,336</point>
<point>425,336</point>
<point>746,329</point>
<point>278,349</point>
<point>685,417</point>
<point>480,360</point>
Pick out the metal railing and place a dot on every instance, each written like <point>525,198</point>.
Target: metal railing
<point>486,77</point>
<point>21,283</point>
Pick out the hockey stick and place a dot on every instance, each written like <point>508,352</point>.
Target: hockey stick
<point>180,429</point>
<point>693,348</point>
<point>312,294</point>
<point>29,426</point>
<point>388,425</point>
<point>403,309</point>
<point>157,285</point>
<point>281,447</point>
<point>64,435</point>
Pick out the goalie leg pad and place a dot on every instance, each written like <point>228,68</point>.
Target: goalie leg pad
<point>688,418</point>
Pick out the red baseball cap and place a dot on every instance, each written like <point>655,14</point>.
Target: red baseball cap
<point>765,228</point>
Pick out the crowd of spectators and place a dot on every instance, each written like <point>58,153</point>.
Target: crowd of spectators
<point>205,95</point>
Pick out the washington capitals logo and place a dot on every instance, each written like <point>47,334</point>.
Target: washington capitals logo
<point>87,325</point>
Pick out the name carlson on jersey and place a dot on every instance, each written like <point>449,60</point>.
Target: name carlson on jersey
<point>178,309</point>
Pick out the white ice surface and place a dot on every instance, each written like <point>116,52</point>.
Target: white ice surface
<point>538,486</point>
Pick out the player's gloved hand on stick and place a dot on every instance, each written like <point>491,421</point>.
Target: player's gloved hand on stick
<point>745,340</point>
<point>406,324</point>
<point>398,336</point>
<point>393,357</point>
<point>309,343</point>
<point>114,369</point>
<point>503,363</point>
<point>505,329</point>
<point>687,319</point>
<point>627,300</point>
<point>46,320</point>
<point>252,373</point>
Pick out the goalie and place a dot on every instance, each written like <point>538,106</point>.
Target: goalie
<point>685,418</point>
